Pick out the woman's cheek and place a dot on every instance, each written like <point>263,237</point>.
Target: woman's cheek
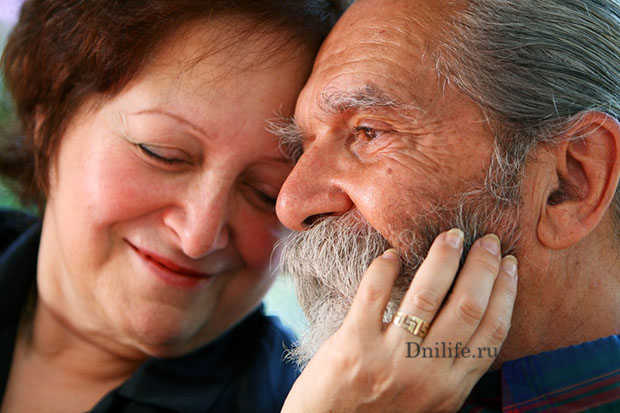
<point>256,234</point>
<point>124,189</point>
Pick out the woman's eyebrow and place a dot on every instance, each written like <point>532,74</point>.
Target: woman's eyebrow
<point>174,116</point>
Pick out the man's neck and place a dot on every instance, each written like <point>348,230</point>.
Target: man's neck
<point>565,297</point>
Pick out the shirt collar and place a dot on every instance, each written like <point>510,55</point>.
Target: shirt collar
<point>574,377</point>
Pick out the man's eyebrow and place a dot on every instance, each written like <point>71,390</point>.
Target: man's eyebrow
<point>368,97</point>
<point>289,135</point>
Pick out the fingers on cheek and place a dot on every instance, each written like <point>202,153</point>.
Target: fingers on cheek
<point>484,259</point>
<point>435,276</point>
<point>425,301</point>
<point>477,280</point>
<point>372,292</point>
<point>375,289</point>
<point>470,309</point>
<point>495,323</point>
<point>502,302</point>
<point>498,330</point>
<point>447,248</point>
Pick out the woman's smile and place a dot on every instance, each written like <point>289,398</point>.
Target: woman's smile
<point>171,272</point>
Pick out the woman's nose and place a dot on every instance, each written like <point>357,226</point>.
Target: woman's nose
<point>200,220</point>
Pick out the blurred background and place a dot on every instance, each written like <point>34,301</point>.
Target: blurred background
<point>280,300</point>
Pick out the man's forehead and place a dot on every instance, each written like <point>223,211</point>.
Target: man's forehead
<point>383,21</point>
<point>376,51</point>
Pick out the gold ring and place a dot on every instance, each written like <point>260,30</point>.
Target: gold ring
<point>411,323</point>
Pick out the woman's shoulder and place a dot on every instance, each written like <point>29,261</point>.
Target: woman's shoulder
<point>241,371</point>
<point>266,343</point>
<point>13,224</point>
<point>264,376</point>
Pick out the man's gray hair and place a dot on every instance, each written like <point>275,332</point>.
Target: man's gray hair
<point>534,67</point>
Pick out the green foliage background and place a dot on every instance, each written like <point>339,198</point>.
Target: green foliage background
<point>7,118</point>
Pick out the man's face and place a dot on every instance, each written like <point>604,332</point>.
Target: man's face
<point>381,132</point>
<point>389,148</point>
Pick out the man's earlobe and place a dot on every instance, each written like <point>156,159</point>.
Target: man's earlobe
<point>587,164</point>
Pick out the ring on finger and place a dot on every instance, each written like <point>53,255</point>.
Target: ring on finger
<point>411,323</point>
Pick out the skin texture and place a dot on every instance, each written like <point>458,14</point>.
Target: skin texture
<point>428,141</point>
<point>391,165</point>
<point>102,307</point>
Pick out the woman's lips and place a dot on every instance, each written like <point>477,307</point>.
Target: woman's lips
<point>170,271</point>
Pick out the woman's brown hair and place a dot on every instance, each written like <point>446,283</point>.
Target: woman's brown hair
<point>62,52</point>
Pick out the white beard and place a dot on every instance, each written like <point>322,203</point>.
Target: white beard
<point>327,261</point>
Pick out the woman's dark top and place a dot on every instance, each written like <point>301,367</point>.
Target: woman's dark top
<point>241,371</point>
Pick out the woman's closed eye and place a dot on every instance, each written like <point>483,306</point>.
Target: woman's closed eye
<point>168,156</point>
<point>269,200</point>
<point>266,194</point>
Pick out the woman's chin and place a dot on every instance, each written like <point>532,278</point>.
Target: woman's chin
<point>157,334</point>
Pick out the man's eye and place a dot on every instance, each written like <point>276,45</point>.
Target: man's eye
<point>154,154</point>
<point>367,132</point>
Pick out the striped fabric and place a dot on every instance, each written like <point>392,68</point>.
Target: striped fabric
<point>584,377</point>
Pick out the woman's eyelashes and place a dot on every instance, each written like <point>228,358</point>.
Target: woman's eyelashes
<point>162,155</point>
<point>267,199</point>
<point>265,194</point>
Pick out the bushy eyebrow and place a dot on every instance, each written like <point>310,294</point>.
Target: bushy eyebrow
<point>368,97</point>
<point>289,135</point>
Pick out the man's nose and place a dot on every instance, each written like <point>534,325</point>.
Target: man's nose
<point>200,220</point>
<point>312,190</point>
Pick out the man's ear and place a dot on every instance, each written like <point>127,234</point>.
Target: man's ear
<point>587,164</point>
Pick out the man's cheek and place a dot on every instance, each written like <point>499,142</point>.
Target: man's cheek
<point>424,166</point>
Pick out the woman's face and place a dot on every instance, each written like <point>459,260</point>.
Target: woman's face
<point>160,222</point>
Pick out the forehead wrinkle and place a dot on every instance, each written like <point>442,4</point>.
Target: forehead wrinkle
<point>396,61</point>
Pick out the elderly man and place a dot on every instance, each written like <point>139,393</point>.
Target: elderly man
<point>488,115</point>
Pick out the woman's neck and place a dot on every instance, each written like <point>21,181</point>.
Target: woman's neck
<point>55,369</point>
<point>51,340</point>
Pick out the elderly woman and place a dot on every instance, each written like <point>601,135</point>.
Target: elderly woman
<point>144,143</point>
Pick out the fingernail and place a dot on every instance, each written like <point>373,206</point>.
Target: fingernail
<point>454,237</point>
<point>390,254</point>
<point>490,243</point>
<point>509,265</point>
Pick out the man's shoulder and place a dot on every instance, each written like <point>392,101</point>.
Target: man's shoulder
<point>575,378</point>
<point>12,224</point>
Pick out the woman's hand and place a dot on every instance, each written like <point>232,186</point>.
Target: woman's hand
<point>368,365</point>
